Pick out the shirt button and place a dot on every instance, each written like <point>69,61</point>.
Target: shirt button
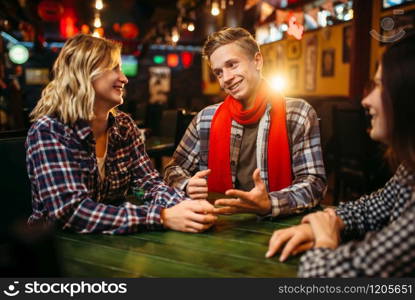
<point>233,163</point>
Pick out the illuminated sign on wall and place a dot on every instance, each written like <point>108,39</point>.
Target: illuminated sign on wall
<point>159,59</point>
<point>18,54</point>
<point>172,60</point>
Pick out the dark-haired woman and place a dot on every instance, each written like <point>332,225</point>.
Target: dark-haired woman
<point>382,222</point>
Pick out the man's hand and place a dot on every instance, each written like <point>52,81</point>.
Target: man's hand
<point>189,216</point>
<point>254,201</point>
<point>197,187</point>
<point>326,228</point>
<point>296,239</point>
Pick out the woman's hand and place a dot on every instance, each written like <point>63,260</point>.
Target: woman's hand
<point>189,216</point>
<point>326,226</point>
<point>296,239</point>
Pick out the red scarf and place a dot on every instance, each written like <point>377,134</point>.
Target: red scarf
<point>279,161</point>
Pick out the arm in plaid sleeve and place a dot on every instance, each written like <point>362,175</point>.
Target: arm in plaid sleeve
<point>309,179</point>
<point>185,161</point>
<point>371,212</point>
<point>148,179</point>
<point>386,253</point>
<point>62,196</point>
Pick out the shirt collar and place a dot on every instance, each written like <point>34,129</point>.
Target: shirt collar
<point>84,130</point>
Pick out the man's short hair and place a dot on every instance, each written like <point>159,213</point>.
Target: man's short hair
<point>226,36</point>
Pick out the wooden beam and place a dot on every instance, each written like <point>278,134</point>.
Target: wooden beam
<point>360,50</point>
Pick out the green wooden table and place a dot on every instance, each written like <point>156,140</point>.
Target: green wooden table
<point>234,247</point>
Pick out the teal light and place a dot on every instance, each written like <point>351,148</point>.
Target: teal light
<point>159,59</point>
<point>18,54</point>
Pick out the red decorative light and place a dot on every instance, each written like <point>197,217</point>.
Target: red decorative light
<point>172,60</point>
<point>129,31</point>
<point>67,23</point>
<point>85,29</point>
<point>50,11</point>
<point>116,27</point>
<point>187,59</point>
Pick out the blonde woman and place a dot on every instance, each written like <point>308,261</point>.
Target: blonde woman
<point>83,155</point>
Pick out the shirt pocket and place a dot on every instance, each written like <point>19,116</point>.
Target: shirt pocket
<point>120,176</point>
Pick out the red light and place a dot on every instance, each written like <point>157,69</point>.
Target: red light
<point>172,60</point>
<point>67,23</point>
<point>187,59</point>
<point>49,11</point>
<point>129,31</point>
<point>85,29</point>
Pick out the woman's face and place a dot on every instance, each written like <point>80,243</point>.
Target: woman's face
<point>373,102</point>
<point>109,87</point>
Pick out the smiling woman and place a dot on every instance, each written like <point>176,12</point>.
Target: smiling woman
<point>382,222</point>
<point>109,88</point>
<point>83,155</point>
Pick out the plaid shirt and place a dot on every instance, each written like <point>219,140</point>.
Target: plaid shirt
<point>386,220</point>
<point>309,181</point>
<point>66,186</point>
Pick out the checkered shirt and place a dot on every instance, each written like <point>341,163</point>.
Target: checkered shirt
<point>66,186</point>
<point>384,224</point>
<point>309,180</point>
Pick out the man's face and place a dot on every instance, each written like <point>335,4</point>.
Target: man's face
<point>238,74</point>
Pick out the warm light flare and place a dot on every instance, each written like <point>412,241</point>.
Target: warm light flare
<point>277,83</point>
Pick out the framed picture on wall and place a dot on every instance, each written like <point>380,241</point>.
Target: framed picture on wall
<point>347,43</point>
<point>279,57</point>
<point>310,64</point>
<point>159,84</point>
<point>293,49</point>
<point>269,58</point>
<point>327,63</point>
<point>293,76</point>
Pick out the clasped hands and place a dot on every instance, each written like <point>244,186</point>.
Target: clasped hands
<point>319,229</point>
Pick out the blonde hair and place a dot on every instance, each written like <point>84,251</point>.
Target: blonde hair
<point>70,95</point>
<point>226,36</point>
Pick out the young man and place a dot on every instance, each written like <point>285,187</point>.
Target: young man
<point>257,147</point>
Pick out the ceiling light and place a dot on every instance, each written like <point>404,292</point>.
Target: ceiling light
<point>215,9</point>
<point>97,21</point>
<point>99,5</point>
<point>191,26</point>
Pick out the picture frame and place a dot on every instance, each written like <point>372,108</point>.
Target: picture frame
<point>310,64</point>
<point>347,43</point>
<point>328,62</point>
<point>293,73</point>
<point>293,50</point>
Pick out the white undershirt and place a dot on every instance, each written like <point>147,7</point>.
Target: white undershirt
<point>101,162</point>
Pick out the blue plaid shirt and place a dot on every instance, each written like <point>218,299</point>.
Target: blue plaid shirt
<point>66,186</point>
<point>309,179</point>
